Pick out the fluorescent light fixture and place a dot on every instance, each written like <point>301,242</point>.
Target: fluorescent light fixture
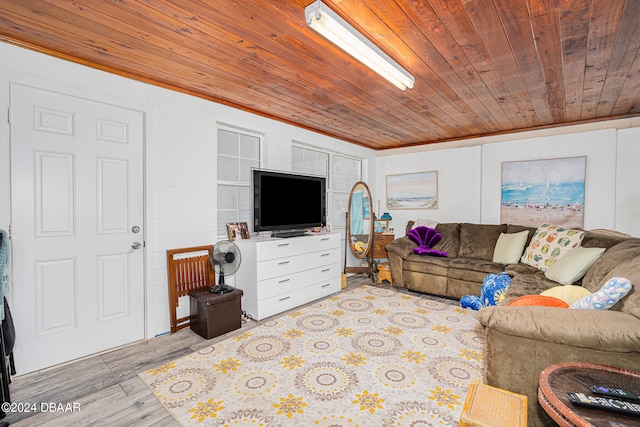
<point>337,30</point>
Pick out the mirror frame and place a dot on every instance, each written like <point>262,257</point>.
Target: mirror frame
<point>371,221</point>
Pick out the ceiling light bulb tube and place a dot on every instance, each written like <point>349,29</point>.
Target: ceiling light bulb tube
<point>337,30</point>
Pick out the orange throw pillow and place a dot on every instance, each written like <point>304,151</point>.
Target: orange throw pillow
<point>539,300</point>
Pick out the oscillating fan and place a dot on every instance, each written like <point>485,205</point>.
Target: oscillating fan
<point>225,259</point>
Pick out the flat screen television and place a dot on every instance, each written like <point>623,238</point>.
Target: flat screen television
<point>287,204</point>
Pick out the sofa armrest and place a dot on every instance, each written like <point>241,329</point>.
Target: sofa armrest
<point>403,247</point>
<point>605,330</point>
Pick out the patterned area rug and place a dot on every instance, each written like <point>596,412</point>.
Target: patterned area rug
<point>365,357</point>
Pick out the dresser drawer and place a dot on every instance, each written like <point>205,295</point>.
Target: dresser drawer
<point>293,264</point>
<point>380,242</point>
<point>280,303</point>
<point>282,248</point>
<point>288,283</point>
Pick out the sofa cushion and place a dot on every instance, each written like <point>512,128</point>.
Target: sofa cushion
<point>511,228</point>
<point>403,247</point>
<point>528,284</point>
<point>509,247</point>
<point>479,265</point>
<point>549,243</point>
<point>609,331</point>
<point>602,239</point>
<point>472,271</point>
<point>601,270</point>
<point>478,241</point>
<point>520,268</point>
<point>450,242</point>
<point>472,278</point>
<point>573,265</point>
<point>429,265</point>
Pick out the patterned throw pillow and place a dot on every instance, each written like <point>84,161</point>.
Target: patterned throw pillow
<point>548,244</point>
<point>610,293</point>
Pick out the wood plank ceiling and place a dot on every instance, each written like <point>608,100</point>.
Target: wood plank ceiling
<point>482,67</point>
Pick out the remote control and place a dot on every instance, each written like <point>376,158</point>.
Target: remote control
<point>606,403</point>
<point>614,392</point>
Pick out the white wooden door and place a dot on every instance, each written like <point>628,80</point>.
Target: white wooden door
<point>77,196</point>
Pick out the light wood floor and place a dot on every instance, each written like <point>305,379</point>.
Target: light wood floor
<point>106,386</point>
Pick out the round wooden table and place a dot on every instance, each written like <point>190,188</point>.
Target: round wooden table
<point>575,377</point>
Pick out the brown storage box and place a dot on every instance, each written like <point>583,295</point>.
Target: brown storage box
<point>215,314</point>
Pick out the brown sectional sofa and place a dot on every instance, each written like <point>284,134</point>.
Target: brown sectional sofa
<point>521,341</point>
<point>470,248</point>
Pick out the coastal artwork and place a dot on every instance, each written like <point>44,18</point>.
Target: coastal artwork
<point>413,191</point>
<point>544,191</point>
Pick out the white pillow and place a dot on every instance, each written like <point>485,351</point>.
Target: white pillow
<point>509,247</point>
<point>573,265</point>
<point>426,222</point>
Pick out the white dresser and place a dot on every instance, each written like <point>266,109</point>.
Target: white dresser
<point>280,274</point>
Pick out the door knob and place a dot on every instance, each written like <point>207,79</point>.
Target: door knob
<point>136,245</point>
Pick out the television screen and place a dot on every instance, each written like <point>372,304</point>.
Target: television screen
<point>286,201</point>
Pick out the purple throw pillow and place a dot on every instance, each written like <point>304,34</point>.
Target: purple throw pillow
<point>426,238</point>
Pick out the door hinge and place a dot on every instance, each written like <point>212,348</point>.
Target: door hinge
<point>9,115</point>
<point>10,231</point>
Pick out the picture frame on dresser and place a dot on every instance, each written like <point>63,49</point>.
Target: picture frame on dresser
<point>380,225</point>
<point>238,230</point>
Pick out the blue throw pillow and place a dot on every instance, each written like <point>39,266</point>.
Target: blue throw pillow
<point>608,295</point>
<point>494,288</point>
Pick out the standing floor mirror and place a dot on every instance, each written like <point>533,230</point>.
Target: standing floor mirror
<point>359,239</point>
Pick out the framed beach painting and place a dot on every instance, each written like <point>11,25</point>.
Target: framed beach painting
<point>413,190</point>
<point>549,191</point>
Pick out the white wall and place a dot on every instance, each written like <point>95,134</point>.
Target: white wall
<point>598,146</point>
<point>181,146</point>
<point>470,176</point>
<point>628,182</point>
<point>459,177</point>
